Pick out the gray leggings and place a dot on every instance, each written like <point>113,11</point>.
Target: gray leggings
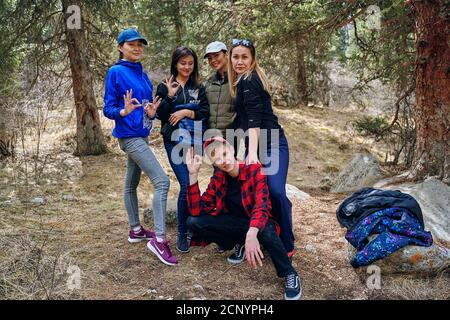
<point>141,158</point>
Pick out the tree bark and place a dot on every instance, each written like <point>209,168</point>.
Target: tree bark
<point>301,85</point>
<point>7,137</point>
<point>89,133</point>
<point>6,145</point>
<point>432,113</point>
<point>177,22</point>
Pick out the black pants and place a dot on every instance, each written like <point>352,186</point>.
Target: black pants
<point>227,230</point>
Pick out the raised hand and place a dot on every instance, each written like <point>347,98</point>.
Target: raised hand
<point>172,86</point>
<point>129,103</point>
<point>150,108</point>
<point>193,162</point>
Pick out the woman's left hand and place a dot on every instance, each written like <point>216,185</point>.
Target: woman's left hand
<point>178,115</point>
<point>150,108</point>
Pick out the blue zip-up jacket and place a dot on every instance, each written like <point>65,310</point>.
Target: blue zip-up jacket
<point>123,76</point>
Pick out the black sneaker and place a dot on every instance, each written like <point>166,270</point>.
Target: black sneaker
<point>220,249</point>
<point>182,243</point>
<point>239,254</point>
<point>189,235</point>
<point>293,287</point>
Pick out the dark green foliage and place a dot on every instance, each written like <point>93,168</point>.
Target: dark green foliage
<point>371,126</point>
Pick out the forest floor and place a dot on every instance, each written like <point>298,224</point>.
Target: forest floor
<point>40,242</point>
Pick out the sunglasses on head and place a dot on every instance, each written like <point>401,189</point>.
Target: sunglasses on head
<point>241,42</point>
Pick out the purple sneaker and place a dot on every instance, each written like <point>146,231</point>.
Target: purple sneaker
<point>162,251</point>
<point>144,234</point>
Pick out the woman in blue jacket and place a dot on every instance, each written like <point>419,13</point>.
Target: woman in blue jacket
<point>128,101</point>
<point>182,96</point>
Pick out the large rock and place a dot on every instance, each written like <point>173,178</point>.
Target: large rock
<point>433,197</point>
<point>363,171</point>
<point>415,259</point>
<point>412,259</point>
<point>293,192</point>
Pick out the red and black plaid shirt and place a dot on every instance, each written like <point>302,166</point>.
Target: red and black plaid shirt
<point>254,192</point>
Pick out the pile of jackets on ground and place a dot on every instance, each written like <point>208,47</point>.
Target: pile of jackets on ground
<point>380,222</point>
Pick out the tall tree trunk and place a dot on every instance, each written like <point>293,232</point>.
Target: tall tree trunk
<point>177,21</point>
<point>301,85</point>
<point>6,144</point>
<point>7,137</point>
<point>89,133</point>
<point>432,114</point>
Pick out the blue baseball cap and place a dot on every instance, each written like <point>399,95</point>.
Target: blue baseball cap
<point>129,35</point>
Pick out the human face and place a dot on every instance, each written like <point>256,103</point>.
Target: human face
<point>218,61</point>
<point>132,51</point>
<point>185,66</point>
<point>241,59</point>
<point>222,157</point>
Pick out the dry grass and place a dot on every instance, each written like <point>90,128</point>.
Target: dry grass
<point>90,232</point>
<point>413,288</point>
<point>34,263</point>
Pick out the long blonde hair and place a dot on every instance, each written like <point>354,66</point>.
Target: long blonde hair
<point>233,77</point>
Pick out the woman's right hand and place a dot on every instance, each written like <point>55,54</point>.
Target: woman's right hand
<point>193,162</point>
<point>129,103</point>
<point>253,252</point>
<point>172,86</point>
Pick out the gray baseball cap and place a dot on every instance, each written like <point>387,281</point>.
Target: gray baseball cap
<point>214,47</point>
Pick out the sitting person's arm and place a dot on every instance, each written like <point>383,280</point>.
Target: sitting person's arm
<point>261,209</point>
<point>198,204</point>
<point>258,218</point>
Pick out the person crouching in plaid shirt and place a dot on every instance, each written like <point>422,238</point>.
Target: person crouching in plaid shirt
<point>234,211</point>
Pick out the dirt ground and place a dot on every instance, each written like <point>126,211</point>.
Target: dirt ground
<point>40,242</point>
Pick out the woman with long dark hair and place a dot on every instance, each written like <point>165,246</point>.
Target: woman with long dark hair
<point>182,97</point>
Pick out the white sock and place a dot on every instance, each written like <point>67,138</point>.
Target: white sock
<point>137,229</point>
<point>160,239</point>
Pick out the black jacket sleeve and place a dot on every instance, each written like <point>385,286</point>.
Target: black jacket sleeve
<point>203,112</point>
<point>166,105</point>
<point>253,98</point>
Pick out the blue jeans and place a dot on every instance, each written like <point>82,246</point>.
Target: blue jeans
<point>182,174</point>
<point>281,205</point>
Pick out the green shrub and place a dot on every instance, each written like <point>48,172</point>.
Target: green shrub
<point>371,126</point>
